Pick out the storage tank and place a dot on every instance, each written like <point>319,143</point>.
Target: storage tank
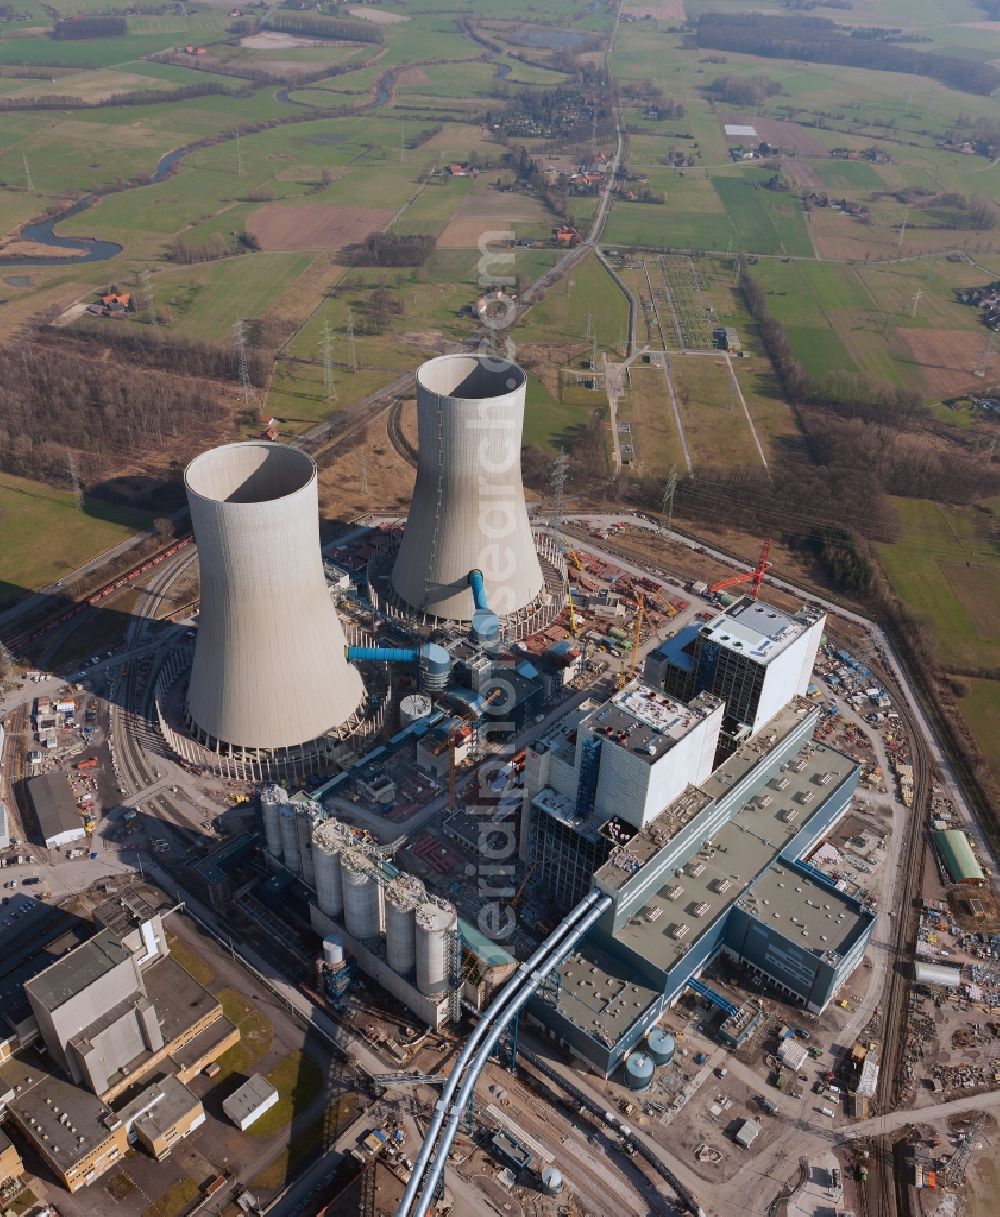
<point>271,799</point>
<point>306,817</point>
<point>329,839</point>
<point>290,837</point>
<point>269,669</point>
<point>362,895</point>
<point>639,1070</point>
<point>468,511</point>
<point>660,1045</point>
<point>435,665</point>
<point>414,707</point>
<point>436,924</point>
<point>333,949</point>
<point>552,1181</point>
<point>402,898</point>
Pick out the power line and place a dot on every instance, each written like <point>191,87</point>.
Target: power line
<point>239,338</point>
<point>352,356</point>
<point>240,167</point>
<point>667,507</point>
<point>74,477</point>
<point>326,349</point>
<point>916,300</point>
<point>27,175</point>
<point>147,291</point>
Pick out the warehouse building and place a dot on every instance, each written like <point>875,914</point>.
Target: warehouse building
<point>246,1105</point>
<point>55,810</point>
<point>956,854</point>
<point>720,869</point>
<point>162,1115</point>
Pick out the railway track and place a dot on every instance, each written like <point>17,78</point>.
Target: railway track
<point>398,440</point>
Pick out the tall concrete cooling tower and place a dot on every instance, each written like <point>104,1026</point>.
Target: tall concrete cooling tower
<point>269,667</point>
<point>468,510</point>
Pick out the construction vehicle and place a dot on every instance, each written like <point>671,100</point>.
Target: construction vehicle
<point>754,577</point>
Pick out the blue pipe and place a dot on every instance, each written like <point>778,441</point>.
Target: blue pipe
<point>478,589</point>
<point>382,654</point>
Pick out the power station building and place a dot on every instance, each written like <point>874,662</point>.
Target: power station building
<point>698,859</point>
<point>270,677</point>
<point>753,656</point>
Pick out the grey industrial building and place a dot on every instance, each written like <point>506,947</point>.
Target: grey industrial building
<point>753,656</point>
<point>721,867</point>
<point>55,810</point>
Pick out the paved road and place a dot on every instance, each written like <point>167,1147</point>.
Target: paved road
<point>940,1111</point>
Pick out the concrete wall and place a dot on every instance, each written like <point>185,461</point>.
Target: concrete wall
<point>788,674</point>
<point>81,1010</point>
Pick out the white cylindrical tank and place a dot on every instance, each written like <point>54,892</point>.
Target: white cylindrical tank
<point>468,511</point>
<point>552,1181</point>
<point>269,667</point>
<point>333,949</point>
<point>413,707</point>
<point>402,897</point>
<point>328,841</point>
<point>362,896</point>
<point>304,822</point>
<point>436,924</point>
<point>639,1070</point>
<point>290,837</point>
<point>271,799</point>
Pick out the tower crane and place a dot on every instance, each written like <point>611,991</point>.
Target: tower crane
<point>754,577</point>
<point>628,672</point>
<point>572,607</point>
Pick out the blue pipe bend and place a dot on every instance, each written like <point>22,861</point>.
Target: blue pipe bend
<point>478,589</point>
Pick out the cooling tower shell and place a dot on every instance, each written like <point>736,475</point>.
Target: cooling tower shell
<point>269,668</point>
<point>271,800</point>
<point>468,509</point>
<point>400,928</point>
<point>435,925</point>
<point>362,896</point>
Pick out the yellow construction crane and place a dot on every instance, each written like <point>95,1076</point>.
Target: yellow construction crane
<point>671,611</point>
<point>524,883</point>
<point>575,558</point>
<point>572,607</point>
<point>628,670</point>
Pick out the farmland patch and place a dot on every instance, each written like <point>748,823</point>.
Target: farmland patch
<point>287,227</point>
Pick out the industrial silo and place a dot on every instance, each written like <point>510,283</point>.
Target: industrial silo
<point>639,1070</point>
<point>305,816</point>
<point>414,707</point>
<point>468,511</point>
<point>333,949</point>
<point>288,822</point>
<point>271,800</point>
<point>437,925</point>
<point>402,898</point>
<point>269,668</point>
<point>362,895</point>
<point>660,1045</point>
<point>327,843</point>
<point>552,1181</point>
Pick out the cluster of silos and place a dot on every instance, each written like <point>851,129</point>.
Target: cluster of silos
<point>330,838</point>
<point>468,511</point>
<point>661,1046</point>
<point>363,895</point>
<point>403,896</point>
<point>269,672</point>
<point>272,799</point>
<point>436,928</point>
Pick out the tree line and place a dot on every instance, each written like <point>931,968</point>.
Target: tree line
<point>141,97</point>
<point>744,90</point>
<point>819,40</point>
<point>390,249</point>
<point>89,27</point>
<point>316,25</point>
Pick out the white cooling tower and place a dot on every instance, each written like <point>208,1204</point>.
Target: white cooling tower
<point>468,510</point>
<point>269,667</point>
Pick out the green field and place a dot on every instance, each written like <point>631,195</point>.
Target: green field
<point>947,567</point>
<point>766,222</point>
<point>43,535</point>
<point>981,710</point>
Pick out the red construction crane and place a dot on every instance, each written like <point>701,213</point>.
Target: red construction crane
<point>754,577</point>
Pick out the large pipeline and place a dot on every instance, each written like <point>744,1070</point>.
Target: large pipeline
<point>382,655</point>
<point>496,1029</point>
<point>495,1010</point>
<point>478,589</point>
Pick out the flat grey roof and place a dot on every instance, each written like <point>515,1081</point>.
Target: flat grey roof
<point>53,804</point>
<point>244,1101</point>
<point>673,650</point>
<point>123,912</point>
<point>72,1119</point>
<point>77,970</point>
<point>160,1106</point>
<point>647,723</point>
<point>758,630</point>
<point>599,994</point>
